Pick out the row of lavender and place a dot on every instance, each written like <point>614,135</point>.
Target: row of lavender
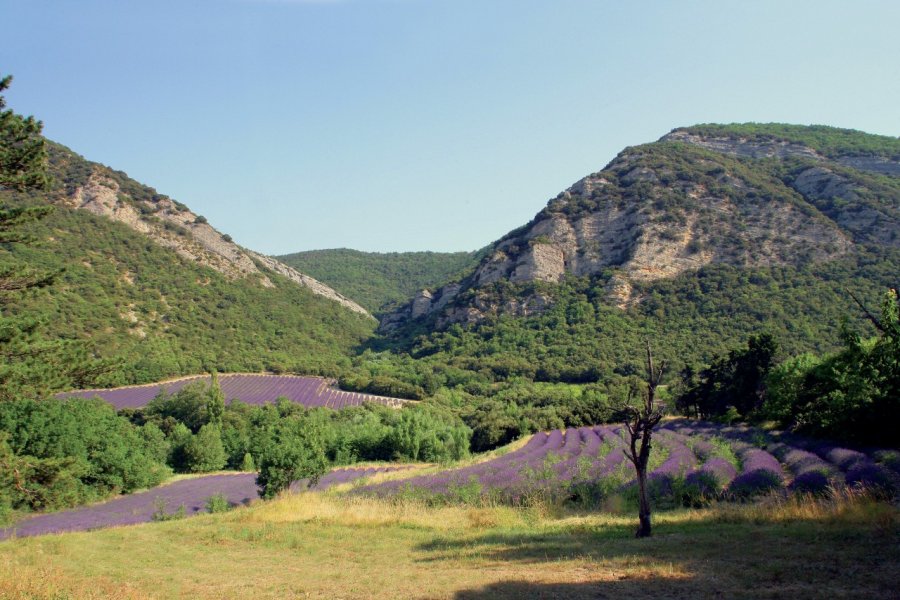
<point>188,497</point>
<point>691,463</point>
<point>773,460</point>
<point>249,388</point>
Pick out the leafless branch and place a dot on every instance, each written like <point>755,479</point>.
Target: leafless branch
<point>875,320</point>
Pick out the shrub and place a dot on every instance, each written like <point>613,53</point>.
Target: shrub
<point>247,464</point>
<point>67,452</point>
<point>161,514</point>
<point>218,503</point>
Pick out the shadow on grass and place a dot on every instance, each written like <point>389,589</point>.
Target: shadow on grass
<point>530,547</point>
<point>697,556</point>
<point>630,588</point>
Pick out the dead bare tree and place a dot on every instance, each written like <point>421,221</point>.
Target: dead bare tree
<point>640,421</point>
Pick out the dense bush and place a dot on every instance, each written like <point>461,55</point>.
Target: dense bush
<point>74,451</point>
<point>849,395</point>
<point>189,417</point>
<point>734,383</point>
<point>204,451</point>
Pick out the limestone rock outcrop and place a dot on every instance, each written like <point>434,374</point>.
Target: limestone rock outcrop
<point>660,210</point>
<point>173,226</point>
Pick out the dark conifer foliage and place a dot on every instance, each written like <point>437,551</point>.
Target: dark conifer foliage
<point>23,152</point>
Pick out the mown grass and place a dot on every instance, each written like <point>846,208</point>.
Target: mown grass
<point>323,545</point>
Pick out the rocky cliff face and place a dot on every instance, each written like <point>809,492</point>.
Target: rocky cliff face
<point>173,226</point>
<point>687,201</point>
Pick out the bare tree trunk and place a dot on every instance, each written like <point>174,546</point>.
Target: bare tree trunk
<point>644,528</point>
<point>640,424</point>
<point>643,500</point>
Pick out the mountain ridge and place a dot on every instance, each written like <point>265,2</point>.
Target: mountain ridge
<point>173,225</point>
<point>746,195</point>
<point>151,286</point>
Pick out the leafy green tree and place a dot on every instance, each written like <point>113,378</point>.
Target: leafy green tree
<point>247,463</point>
<point>295,451</point>
<point>29,482</point>
<point>204,451</point>
<point>736,381</point>
<point>783,385</point>
<point>64,452</point>
<point>853,395</point>
<point>30,367</point>
<point>189,406</point>
<point>426,434</point>
<point>178,437</point>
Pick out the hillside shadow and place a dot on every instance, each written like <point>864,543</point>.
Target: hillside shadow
<point>658,588</point>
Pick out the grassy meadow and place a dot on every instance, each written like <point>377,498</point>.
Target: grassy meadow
<point>328,545</point>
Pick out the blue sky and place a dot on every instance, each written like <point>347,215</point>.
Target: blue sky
<point>389,125</point>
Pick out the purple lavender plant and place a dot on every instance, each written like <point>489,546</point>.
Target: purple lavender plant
<point>761,473</point>
<point>166,500</point>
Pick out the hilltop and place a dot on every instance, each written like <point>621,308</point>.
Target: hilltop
<point>747,196</point>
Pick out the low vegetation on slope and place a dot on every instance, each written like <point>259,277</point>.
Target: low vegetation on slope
<point>832,142</point>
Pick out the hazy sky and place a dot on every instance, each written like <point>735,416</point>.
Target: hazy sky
<point>422,124</point>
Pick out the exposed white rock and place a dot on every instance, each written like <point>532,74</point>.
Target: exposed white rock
<point>585,231</point>
<point>194,241</point>
<point>314,285</point>
<point>421,304</point>
<point>875,164</point>
<point>819,182</point>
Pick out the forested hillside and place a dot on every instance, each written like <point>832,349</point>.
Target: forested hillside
<point>151,297</point>
<point>378,280</point>
<point>710,227</point>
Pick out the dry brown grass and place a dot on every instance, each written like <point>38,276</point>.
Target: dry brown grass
<point>323,545</point>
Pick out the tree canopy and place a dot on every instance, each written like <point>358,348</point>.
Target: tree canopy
<point>23,152</point>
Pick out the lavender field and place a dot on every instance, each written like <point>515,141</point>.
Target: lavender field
<point>191,494</point>
<point>691,463</point>
<point>249,388</point>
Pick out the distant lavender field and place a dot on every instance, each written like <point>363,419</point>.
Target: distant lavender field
<point>249,388</point>
<point>239,488</point>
